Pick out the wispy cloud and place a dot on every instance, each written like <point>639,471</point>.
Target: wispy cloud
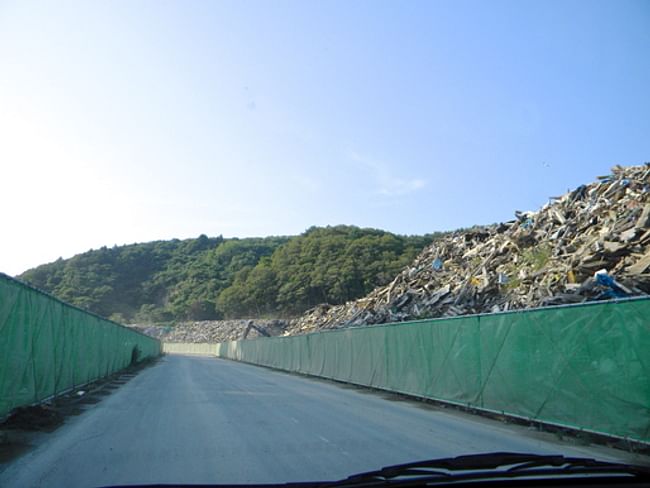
<point>386,181</point>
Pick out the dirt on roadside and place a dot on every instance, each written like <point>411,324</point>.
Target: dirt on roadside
<point>22,428</point>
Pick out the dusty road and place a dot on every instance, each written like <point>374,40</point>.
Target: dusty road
<point>205,420</point>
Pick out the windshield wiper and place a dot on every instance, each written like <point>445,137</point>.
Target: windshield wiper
<point>502,466</point>
<point>493,469</point>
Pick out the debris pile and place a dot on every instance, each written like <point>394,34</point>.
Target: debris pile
<point>35,417</point>
<point>589,244</point>
<point>214,331</point>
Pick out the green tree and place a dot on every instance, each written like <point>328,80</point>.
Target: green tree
<point>211,277</point>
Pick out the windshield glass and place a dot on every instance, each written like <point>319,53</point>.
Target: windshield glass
<point>269,242</point>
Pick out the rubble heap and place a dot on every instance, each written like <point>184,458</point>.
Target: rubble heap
<point>214,331</point>
<point>589,244</point>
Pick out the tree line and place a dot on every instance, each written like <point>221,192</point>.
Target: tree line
<point>210,278</point>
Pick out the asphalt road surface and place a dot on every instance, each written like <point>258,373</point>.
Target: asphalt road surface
<point>205,420</point>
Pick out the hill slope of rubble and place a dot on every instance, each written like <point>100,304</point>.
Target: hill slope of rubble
<point>590,244</point>
<point>214,331</point>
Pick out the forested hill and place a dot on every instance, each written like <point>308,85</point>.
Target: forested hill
<point>211,278</point>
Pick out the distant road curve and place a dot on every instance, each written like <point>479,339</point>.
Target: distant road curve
<point>192,419</point>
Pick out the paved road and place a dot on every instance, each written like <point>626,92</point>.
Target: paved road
<point>205,420</point>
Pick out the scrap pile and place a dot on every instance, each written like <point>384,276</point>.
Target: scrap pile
<point>214,331</point>
<point>589,244</point>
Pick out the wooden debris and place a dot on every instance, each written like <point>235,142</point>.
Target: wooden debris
<point>214,331</point>
<point>640,266</point>
<point>548,257</point>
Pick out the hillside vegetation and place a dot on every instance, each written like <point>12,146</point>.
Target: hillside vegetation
<point>212,278</point>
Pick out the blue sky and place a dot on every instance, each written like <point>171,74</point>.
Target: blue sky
<point>126,121</point>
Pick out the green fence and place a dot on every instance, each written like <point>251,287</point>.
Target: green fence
<point>585,367</point>
<point>48,346</point>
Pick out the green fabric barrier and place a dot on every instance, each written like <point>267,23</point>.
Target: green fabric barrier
<point>48,346</point>
<point>585,367</point>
